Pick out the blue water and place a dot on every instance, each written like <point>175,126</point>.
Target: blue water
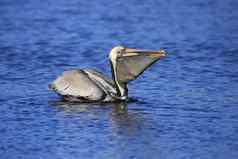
<point>187,103</point>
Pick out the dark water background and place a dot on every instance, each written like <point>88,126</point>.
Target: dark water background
<point>188,102</point>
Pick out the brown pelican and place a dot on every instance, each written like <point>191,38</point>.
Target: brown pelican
<point>87,85</point>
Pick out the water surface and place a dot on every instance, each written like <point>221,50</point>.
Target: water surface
<point>187,103</point>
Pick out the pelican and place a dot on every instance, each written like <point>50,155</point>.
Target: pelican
<point>88,85</point>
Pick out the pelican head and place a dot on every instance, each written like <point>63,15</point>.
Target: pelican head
<point>127,64</point>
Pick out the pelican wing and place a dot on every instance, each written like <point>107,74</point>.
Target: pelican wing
<point>102,81</point>
<point>76,83</point>
<point>99,75</point>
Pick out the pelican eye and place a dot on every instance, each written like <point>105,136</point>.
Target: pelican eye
<point>119,53</point>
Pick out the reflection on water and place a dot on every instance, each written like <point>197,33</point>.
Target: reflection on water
<point>121,121</point>
<point>86,121</point>
<point>74,107</point>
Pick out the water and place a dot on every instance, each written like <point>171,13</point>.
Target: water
<point>187,103</point>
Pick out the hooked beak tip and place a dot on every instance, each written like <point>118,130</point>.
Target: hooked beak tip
<point>159,54</point>
<point>163,53</point>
